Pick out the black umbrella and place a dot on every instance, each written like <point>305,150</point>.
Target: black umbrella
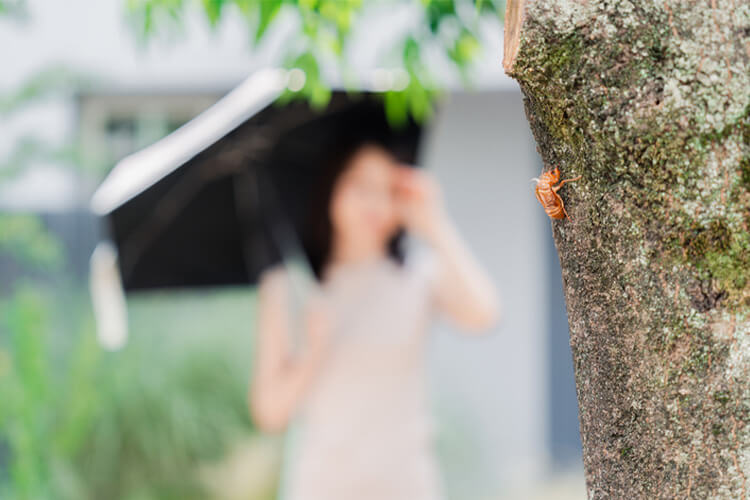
<point>224,196</point>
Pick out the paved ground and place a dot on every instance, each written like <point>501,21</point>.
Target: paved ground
<point>563,486</point>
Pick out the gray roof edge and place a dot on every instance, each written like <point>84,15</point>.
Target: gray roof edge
<point>140,170</point>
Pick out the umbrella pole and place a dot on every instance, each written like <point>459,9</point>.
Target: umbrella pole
<point>250,185</point>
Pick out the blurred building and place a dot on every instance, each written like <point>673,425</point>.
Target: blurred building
<point>505,402</point>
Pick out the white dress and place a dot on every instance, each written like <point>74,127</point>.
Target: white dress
<point>364,431</point>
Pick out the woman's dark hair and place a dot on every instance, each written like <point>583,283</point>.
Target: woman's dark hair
<point>307,160</point>
<point>318,229</point>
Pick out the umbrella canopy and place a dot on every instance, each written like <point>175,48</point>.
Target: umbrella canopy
<point>224,197</point>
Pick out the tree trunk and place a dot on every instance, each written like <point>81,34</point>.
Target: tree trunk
<point>649,102</point>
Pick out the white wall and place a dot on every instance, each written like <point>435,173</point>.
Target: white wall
<point>494,387</point>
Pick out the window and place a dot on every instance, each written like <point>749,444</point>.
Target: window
<point>115,125</point>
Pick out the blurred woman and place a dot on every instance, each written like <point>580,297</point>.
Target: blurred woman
<point>357,391</point>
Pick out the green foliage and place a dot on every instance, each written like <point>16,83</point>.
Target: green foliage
<point>47,83</point>
<point>147,14</point>
<point>266,13</point>
<point>29,149</point>
<point>314,89</point>
<point>24,389</point>
<point>54,80</point>
<point>325,28</point>
<point>80,423</point>
<point>24,238</point>
<point>16,8</point>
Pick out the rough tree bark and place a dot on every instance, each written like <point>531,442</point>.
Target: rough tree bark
<point>649,102</point>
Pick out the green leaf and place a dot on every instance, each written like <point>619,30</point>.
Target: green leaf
<point>411,51</point>
<point>213,11</point>
<point>436,11</point>
<point>467,46</point>
<point>419,105</point>
<point>396,110</point>
<point>268,9</point>
<point>309,64</point>
<point>320,96</point>
<point>464,49</point>
<point>340,12</point>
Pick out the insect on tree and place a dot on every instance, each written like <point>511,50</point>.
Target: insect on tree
<point>546,193</point>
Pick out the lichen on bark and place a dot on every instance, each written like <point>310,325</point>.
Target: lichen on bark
<point>650,103</point>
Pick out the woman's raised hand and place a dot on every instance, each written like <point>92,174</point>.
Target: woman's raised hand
<point>420,200</point>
